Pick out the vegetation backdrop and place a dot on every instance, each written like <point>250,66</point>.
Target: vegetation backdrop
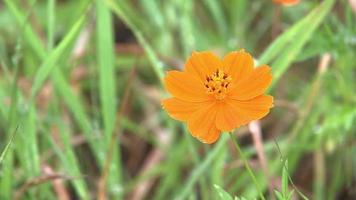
<point>80,90</point>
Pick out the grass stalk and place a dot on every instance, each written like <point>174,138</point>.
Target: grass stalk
<point>247,166</point>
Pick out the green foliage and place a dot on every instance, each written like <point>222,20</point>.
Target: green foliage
<point>223,195</point>
<point>6,149</point>
<point>66,105</point>
<point>285,193</point>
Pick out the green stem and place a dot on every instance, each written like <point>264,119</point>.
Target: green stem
<point>247,166</point>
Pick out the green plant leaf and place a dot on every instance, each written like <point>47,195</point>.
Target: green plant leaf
<point>222,193</point>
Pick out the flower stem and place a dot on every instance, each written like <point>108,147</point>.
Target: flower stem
<point>247,166</point>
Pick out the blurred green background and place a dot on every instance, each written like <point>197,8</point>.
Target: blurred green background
<point>80,90</point>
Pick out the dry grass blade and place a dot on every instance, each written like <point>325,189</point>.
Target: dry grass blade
<point>58,184</point>
<point>35,182</point>
<point>154,157</point>
<point>255,129</point>
<point>353,5</point>
<point>323,65</point>
<point>104,176</point>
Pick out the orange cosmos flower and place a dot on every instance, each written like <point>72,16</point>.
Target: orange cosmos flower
<point>286,2</point>
<point>213,95</point>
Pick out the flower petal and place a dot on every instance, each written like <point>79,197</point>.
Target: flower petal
<point>286,2</point>
<point>211,136</point>
<point>202,64</point>
<point>253,85</point>
<point>182,110</point>
<point>202,124</point>
<point>238,64</point>
<point>235,113</point>
<point>229,117</point>
<point>185,86</point>
<point>249,110</point>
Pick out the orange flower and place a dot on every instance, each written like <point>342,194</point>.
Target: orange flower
<point>213,95</point>
<point>286,2</point>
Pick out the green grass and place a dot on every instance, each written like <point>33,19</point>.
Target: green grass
<point>61,110</point>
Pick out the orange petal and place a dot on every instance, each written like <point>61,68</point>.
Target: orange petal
<point>202,64</point>
<point>211,136</point>
<point>202,124</point>
<point>229,117</point>
<point>238,64</point>
<point>286,2</point>
<point>253,85</point>
<point>185,86</point>
<point>182,110</point>
<point>249,110</point>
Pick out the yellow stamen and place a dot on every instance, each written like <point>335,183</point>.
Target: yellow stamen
<point>217,84</point>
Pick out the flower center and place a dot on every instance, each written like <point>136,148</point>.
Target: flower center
<point>217,84</point>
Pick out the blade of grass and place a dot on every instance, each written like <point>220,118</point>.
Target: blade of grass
<point>12,119</point>
<point>186,27</point>
<point>112,145</point>
<point>160,27</point>
<point>35,42</point>
<point>29,143</point>
<point>106,59</point>
<point>199,170</point>
<point>105,53</point>
<point>44,71</point>
<point>218,15</point>
<point>67,156</point>
<point>26,148</point>
<point>51,9</point>
<point>72,101</point>
<point>155,62</point>
<point>7,171</point>
<point>7,167</point>
<point>247,166</point>
<point>7,147</point>
<point>196,159</point>
<point>286,47</point>
<point>74,104</point>
<point>171,170</point>
<point>217,170</point>
<point>52,59</point>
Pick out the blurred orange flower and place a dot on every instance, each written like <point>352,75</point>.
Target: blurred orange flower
<point>213,95</point>
<point>286,2</point>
